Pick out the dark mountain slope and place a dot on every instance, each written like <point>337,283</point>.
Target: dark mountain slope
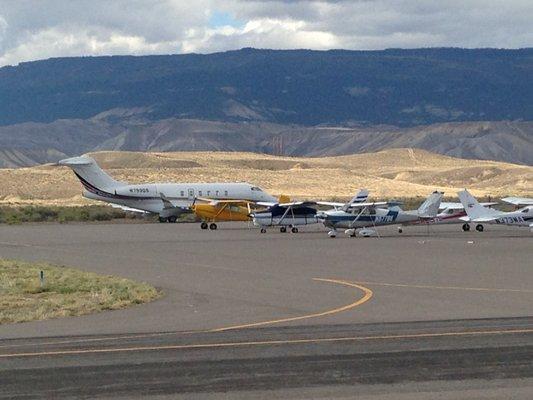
<point>396,87</point>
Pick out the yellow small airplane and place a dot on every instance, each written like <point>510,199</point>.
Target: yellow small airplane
<point>225,210</point>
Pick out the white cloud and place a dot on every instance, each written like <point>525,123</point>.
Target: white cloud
<point>32,30</point>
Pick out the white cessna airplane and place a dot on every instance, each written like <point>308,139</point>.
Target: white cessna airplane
<point>365,216</point>
<point>166,199</point>
<point>287,214</point>
<point>479,214</point>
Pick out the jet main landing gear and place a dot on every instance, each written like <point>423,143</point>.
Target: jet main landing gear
<point>466,227</point>
<point>203,225</point>
<point>479,228</point>
<point>213,226</point>
<point>283,229</point>
<point>294,229</point>
<point>172,219</point>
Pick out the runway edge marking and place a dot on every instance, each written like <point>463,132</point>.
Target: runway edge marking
<point>269,342</point>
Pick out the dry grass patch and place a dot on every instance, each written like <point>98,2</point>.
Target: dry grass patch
<point>66,292</point>
<point>387,174</point>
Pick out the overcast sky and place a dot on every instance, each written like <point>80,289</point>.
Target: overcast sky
<point>34,29</point>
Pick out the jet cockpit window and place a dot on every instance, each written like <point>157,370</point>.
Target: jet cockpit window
<point>525,210</point>
<point>256,189</point>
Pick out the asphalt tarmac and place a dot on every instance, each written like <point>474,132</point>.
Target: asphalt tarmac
<point>431,310</point>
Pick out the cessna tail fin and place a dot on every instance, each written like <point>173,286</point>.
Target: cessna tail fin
<point>360,197</point>
<point>472,207</point>
<point>90,174</point>
<point>430,207</point>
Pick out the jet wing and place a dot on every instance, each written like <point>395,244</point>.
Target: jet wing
<point>519,201</point>
<point>130,209</point>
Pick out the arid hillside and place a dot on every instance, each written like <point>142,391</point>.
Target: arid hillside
<point>389,173</point>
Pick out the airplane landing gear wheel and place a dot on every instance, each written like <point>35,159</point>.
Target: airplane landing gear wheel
<point>466,227</point>
<point>161,219</point>
<point>263,230</point>
<point>172,219</point>
<point>213,227</point>
<point>479,228</point>
<point>283,229</point>
<point>332,234</point>
<point>400,230</point>
<point>203,225</point>
<point>294,229</point>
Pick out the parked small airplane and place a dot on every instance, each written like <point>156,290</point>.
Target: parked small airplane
<point>221,210</point>
<point>212,211</point>
<point>169,200</point>
<point>479,214</point>
<point>364,216</point>
<point>449,213</point>
<point>286,214</point>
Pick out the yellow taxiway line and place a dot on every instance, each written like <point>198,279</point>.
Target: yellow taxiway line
<point>367,296</point>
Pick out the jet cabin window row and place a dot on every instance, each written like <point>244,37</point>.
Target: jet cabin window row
<point>208,193</point>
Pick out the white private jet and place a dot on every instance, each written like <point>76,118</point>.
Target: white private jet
<point>169,200</point>
<point>365,216</point>
<point>479,214</point>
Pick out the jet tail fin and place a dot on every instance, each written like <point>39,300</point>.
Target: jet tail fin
<point>92,177</point>
<point>473,209</point>
<point>360,197</point>
<point>430,207</point>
